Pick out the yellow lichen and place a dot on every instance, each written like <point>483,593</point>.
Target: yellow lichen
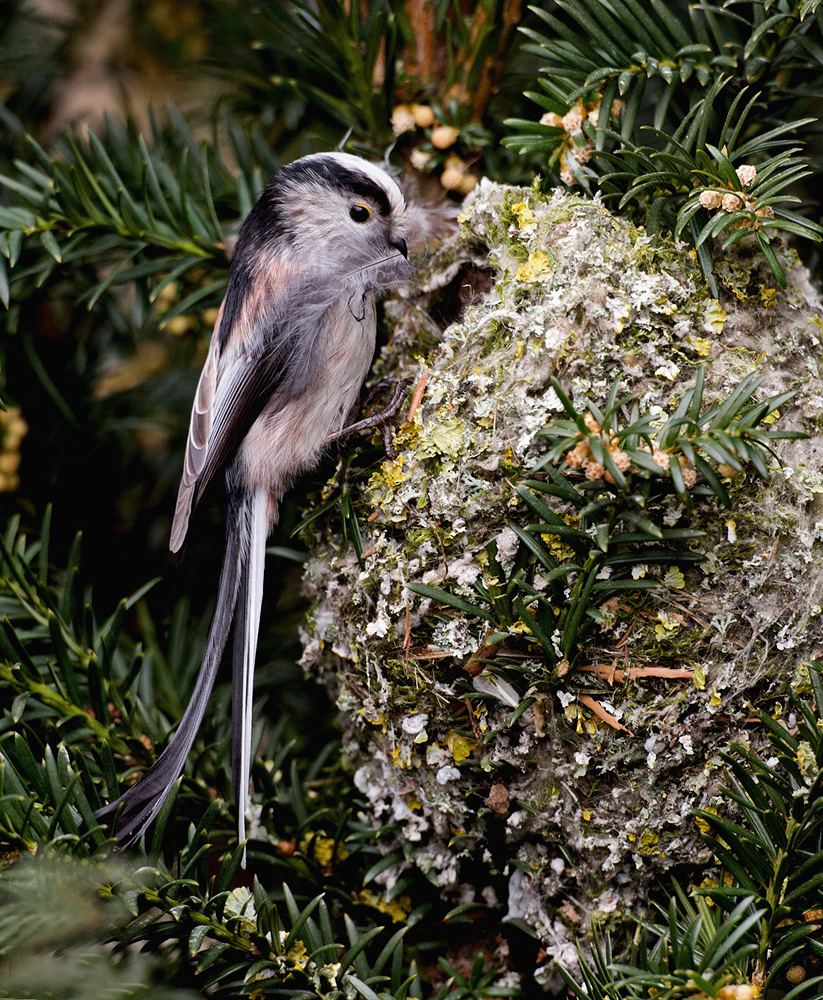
<point>393,473</point>
<point>459,747</point>
<point>323,849</point>
<point>370,714</point>
<point>536,268</point>
<point>398,909</point>
<point>807,762</point>
<point>585,723</point>
<point>666,625</point>
<point>519,627</point>
<point>401,757</point>
<point>648,840</point>
<point>670,371</point>
<point>298,955</point>
<point>702,345</point>
<point>768,296</point>
<point>444,438</point>
<point>714,316</point>
<point>526,220</point>
<point>561,552</point>
<point>701,823</point>
<point>620,313</point>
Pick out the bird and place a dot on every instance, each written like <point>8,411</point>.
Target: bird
<point>292,345</point>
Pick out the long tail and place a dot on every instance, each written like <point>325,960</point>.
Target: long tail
<point>246,628</point>
<point>143,800</point>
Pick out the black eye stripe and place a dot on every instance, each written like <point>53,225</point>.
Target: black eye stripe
<point>352,182</point>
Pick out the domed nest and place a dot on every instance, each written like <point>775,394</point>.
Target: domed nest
<point>527,761</point>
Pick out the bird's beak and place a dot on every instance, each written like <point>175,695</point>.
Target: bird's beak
<point>400,244</point>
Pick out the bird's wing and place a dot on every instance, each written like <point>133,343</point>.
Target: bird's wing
<point>242,372</point>
<point>200,427</point>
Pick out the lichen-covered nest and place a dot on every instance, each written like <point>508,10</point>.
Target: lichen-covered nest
<point>551,793</point>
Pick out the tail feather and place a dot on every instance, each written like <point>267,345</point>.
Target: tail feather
<point>143,800</point>
<point>246,628</point>
<point>182,513</point>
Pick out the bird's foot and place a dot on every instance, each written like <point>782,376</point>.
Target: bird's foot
<point>382,419</point>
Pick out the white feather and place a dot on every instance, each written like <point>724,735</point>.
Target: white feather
<point>256,556</point>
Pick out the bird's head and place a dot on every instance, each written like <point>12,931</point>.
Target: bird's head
<point>337,213</point>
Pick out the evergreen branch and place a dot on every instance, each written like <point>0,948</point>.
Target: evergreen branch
<point>633,43</point>
<point>632,462</point>
<point>136,212</point>
<point>343,80</point>
<point>776,848</point>
<point>51,917</point>
<point>16,679</point>
<point>604,66</point>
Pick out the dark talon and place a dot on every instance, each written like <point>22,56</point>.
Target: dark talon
<point>381,419</point>
<point>375,391</point>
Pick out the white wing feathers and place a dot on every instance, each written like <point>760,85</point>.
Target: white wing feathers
<point>200,429</point>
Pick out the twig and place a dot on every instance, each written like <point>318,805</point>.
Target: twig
<point>417,396</point>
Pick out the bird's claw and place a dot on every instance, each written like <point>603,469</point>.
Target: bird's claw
<point>382,419</point>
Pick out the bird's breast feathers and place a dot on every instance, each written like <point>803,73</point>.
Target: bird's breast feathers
<point>287,438</point>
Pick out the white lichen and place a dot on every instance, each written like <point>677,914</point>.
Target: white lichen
<point>583,296</point>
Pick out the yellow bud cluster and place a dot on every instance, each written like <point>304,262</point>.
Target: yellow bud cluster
<point>572,123</point>
<point>408,117</point>
<point>444,136</point>
<point>742,991</point>
<point>456,175</point>
<point>730,200</point>
<point>402,119</point>
<point>795,974</point>
<point>574,118</point>
<point>13,429</point>
<point>419,158</point>
<point>661,459</point>
<point>580,457</point>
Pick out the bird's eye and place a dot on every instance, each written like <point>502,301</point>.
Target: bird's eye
<point>359,213</point>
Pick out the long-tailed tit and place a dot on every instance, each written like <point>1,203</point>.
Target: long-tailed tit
<point>292,345</point>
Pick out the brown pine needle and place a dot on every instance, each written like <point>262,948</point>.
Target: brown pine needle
<point>601,713</point>
<point>612,674</point>
<point>417,398</point>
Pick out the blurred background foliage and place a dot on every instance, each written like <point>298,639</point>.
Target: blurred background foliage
<point>135,135</point>
<point>107,373</point>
